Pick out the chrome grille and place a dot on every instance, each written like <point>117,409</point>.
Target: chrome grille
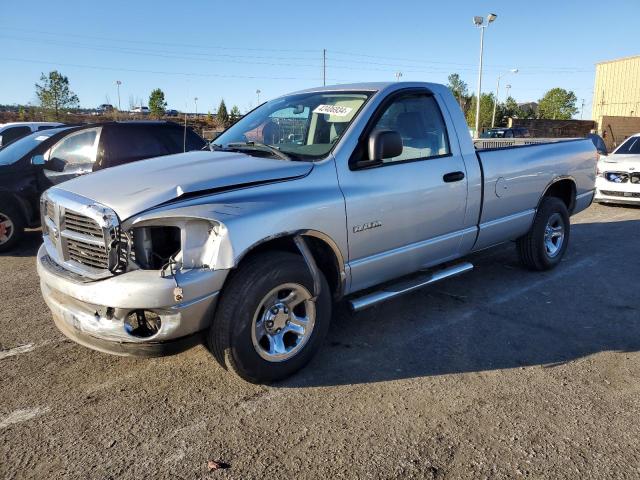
<point>93,256</point>
<point>80,224</point>
<point>611,193</point>
<point>50,210</point>
<point>86,243</point>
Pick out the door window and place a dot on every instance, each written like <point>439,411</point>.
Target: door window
<point>130,143</point>
<point>13,133</point>
<point>418,120</point>
<point>76,149</point>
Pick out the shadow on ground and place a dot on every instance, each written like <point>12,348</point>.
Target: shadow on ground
<point>499,316</point>
<point>28,246</point>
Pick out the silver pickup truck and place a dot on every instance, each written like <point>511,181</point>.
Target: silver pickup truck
<point>357,192</point>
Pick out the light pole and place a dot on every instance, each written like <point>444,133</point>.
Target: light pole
<point>258,92</point>
<point>508,87</point>
<point>398,76</point>
<point>479,22</point>
<point>118,83</point>
<point>495,101</point>
<point>195,100</point>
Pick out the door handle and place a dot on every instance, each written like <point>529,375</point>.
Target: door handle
<point>453,177</point>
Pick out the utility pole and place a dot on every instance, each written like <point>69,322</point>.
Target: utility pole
<point>479,22</point>
<point>195,100</point>
<point>398,76</point>
<point>324,66</point>
<point>258,92</point>
<point>495,101</point>
<point>582,109</point>
<point>508,87</point>
<point>118,83</point>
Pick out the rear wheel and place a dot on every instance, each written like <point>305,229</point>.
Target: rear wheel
<point>543,247</point>
<point>11,226</point>
<point>268,324</point>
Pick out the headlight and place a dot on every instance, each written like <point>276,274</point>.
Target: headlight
<point>188,243</point>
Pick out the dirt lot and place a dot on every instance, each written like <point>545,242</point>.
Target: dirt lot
<point>501,373</point>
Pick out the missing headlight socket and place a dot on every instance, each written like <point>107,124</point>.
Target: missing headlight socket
<point>154,246</point>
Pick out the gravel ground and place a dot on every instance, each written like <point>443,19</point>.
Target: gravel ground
<point>500,373</point>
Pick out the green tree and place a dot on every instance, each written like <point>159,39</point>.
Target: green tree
<point>506,110</point>
<point>459,89</point>
<point>157,103</point>
<point>486,111</point>
<point>234,115</point>
<point>223,115</point>
<point>558,104</point>
<point>54,93</point>
<point>528,110</point>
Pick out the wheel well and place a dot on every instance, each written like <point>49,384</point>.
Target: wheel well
<point>22,206</point>
<point>565,190</point>
<point>323,255</point>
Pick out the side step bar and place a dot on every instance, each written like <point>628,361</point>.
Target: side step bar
<point>402,287</point>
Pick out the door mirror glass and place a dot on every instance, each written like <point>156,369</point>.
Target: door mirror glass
<point>37,160</point>
<point>384,144</point>
<point>55,164</point>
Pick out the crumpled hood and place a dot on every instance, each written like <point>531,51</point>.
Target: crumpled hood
<point>135,187</point>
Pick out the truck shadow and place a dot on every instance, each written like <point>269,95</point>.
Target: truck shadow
<point>497,317</point>
<point>29,245</point>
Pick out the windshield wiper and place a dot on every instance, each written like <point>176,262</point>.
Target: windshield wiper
<point>257,146</point>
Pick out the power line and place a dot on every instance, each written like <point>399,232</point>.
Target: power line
<point>148,42</point>
<point>156,72</point>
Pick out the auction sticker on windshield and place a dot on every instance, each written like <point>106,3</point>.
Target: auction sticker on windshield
<point>336,110</point>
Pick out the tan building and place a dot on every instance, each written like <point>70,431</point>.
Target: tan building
<point>616,98</point>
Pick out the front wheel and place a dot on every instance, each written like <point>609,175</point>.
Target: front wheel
<point>543,247</point>
<point>268,324</point>
<point>11,226</point>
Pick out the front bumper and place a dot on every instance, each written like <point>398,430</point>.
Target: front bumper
<point>92,313</point>
<point>621,193</point>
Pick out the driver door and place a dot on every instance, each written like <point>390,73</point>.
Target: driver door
<point>408,212</point>
<point>74,155</point>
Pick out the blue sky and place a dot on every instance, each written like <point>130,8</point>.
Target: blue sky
<point>214,49</point>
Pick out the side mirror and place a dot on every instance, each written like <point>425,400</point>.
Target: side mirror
<point>38,160</point>
<point>55,164</point>
<point>381,144</point>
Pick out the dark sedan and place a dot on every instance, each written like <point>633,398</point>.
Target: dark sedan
<point>36,162</point>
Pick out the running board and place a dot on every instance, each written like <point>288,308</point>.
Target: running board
<point>406,286</point>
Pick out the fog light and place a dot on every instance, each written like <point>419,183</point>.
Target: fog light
<point>142,323</point>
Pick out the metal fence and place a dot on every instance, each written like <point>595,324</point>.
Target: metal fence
<point>484,143</point>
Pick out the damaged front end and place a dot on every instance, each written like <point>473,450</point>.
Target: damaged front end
<point>132,287</point>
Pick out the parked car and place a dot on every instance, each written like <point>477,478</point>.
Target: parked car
<point>140,111</point>
<point>15,130</point>
<point>618,179</point>
<point>36,162</point>
<point>171,113</point>
<point>104,108</point>
<point>516,132</point>
<point>247,246</point>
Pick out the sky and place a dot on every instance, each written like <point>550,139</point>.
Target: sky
<point>211,50</point>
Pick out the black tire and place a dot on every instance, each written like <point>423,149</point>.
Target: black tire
<point>9,210</point>
<point>532,249</point>
<point>230,336</point>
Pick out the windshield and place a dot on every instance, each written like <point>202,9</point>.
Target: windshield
<point>297,127</point>
<point>630,146</point>
<point>18,149</point>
